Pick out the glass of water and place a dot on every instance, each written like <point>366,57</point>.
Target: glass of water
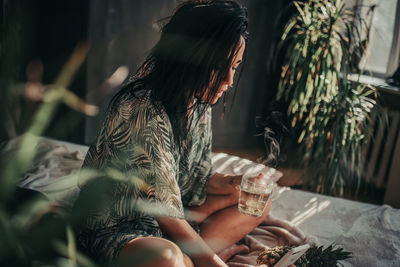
<point>255,190</point>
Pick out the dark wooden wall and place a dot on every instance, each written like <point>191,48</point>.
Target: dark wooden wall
<point>44,31</point>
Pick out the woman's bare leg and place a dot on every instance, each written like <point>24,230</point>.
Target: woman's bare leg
<point>153,252</point>
<point>221,224</point>
<point>225,227</point>
<point>212,204</point>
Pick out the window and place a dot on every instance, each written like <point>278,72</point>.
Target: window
<point>383,52</point>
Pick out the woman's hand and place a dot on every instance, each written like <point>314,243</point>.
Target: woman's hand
<point>223,184</point>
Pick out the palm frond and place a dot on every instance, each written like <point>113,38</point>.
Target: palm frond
<point>323,37</point>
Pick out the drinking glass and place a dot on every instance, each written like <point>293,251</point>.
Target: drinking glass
<point>255,190</point>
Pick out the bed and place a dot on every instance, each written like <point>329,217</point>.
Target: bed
<point>370,232</point>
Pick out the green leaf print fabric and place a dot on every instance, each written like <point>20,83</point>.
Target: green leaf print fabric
<point>137,140</point>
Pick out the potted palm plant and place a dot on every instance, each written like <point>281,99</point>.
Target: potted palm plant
<point>322,40</point>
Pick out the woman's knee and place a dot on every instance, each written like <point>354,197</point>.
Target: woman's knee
<point>152,251</point>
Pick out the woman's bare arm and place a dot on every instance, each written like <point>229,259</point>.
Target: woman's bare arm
<point>223,184</point>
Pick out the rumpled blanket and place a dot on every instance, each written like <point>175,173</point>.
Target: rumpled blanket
<point>53,170</point>
<point>272,232</point>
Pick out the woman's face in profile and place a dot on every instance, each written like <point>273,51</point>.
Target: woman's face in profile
<point>229,78</point>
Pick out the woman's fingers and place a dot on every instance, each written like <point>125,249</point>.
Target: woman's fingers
<point>235,181</point>
<point>260,175</point>
<point>222,184</point>
<point>256,177</point>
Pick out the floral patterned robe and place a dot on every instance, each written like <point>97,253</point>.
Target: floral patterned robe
<point>136,141</point>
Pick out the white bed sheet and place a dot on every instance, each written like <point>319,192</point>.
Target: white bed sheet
<point>370,232</point>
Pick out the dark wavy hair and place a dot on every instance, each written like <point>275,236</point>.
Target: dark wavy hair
<point>192,58</point>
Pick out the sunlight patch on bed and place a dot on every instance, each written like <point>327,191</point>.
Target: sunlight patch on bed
<point>225,164</point>
<point>314,207</point>
<point>241,164</point>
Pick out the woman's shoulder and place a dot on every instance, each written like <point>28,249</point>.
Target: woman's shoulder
<point>136,107</point>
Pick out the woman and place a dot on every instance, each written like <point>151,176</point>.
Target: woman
<point>157,134</point>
